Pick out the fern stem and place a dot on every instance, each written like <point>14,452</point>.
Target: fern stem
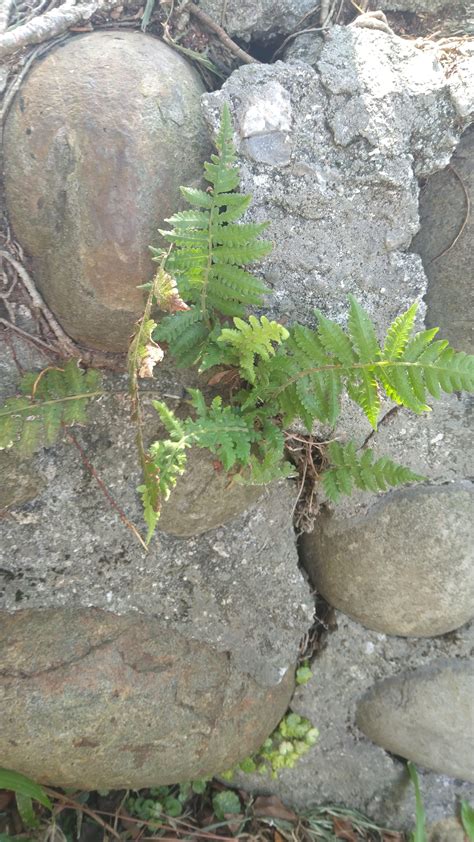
<point>360,367</point>
<point>83,395</point>
<point>210,247</point>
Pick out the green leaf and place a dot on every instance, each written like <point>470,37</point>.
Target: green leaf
<point>399,333</point>
<point>226,803</point>
<point>362,333</point>
<point>419,834</point>
<point>467,819</point>
<point>26,810</point>
<point>303,675</point>
<point>19,783</point>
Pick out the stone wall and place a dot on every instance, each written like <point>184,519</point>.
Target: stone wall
<point>175,664</point>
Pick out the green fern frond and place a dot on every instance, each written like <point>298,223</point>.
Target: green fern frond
<point>307,376</point>
<point>221,429</point>
<point>209,249</point>
<point>348,469</point>
<point>185,333</point>
<point>53,398</point>
<point>255,338</point>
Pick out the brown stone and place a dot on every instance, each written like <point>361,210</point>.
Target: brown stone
<point>92,700</point>
<point>101,135</point>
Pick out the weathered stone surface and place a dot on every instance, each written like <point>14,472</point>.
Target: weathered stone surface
<point>446,830</point>
<point>426,716</point>
<point>230,604</point>
<point>345,766</point>
<point>20,481</point>
<point>94,160</point>
<point>260,21</point>
<point>405,567</point>
<point>335,170</point>
<point>91,700</point>
<point>204,498</point>
<point>443,211</point>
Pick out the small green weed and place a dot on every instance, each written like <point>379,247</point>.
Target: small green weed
<point>467,819</point>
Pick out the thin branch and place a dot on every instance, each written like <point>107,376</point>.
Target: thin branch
<point>294,35</point>
<point>51,23</point>
<point>465,220</point>
<point>62,338</point>
<point>76,805</point>
<point>105,491</point>
<point>220,32</point>
<point>10,326</point>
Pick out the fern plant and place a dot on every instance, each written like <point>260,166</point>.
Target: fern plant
<point>202,290</point>
<point>49,400</point>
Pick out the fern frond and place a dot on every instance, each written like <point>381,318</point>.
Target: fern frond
<point>348,469</point>
<point>57,397</point>
<point>209,249</point>
<point>307,376</point>
<point>185,333</point>
<point>255,338</point>
<point>221,429</point>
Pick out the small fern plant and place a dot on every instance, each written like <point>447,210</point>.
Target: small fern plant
<point>196,313</point>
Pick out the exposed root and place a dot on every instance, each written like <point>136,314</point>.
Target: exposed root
<point>309,456</point>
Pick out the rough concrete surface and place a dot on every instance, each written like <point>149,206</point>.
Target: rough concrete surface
<point>345,767</point>
<point>335,170</point>
<point>260,21</point>
<point>94,160</point>
<point>426,716</point>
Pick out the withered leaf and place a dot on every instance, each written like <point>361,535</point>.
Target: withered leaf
<point>153,355</point>
<point>271,807</point>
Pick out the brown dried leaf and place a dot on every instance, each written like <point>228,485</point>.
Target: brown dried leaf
<point>6,797</point>
<point>154,354</point>
<point>344,829</point>
<point>225,376</point>
<point>271,807</point>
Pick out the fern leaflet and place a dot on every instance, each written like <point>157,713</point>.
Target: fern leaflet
<point>348,469</point>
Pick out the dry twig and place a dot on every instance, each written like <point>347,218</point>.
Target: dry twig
<point>105,491</point>
<point>50,24</point>
<point>221,33</point>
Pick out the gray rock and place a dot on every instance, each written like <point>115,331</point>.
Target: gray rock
<point>204,498</point>
<point>443,210</point>
<point>20,481</point>
<point>426,716</point>
<point>91,700</point>
<point>258,21</point>
<point>445,17</point>
<point>405,567</point>
<point>345,767</point>
<point>94,161</point>
<point>342,200</point>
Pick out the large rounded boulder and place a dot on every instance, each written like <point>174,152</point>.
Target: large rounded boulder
<point>101,135</point>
